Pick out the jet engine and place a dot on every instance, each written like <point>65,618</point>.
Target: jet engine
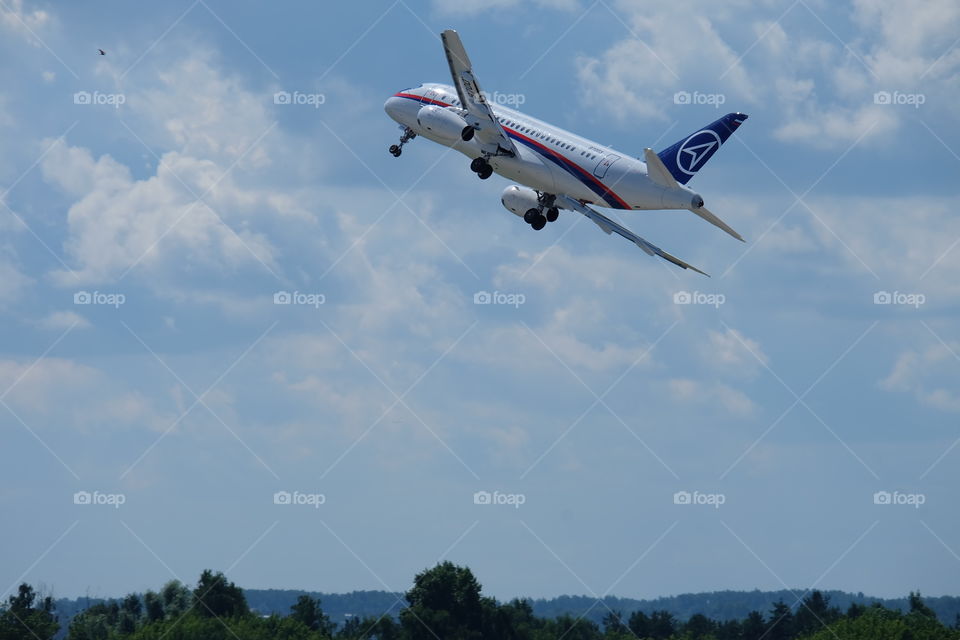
<point>443,122</point>
<point>518,200</point>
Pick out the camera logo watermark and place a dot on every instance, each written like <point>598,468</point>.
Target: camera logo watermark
<point>498,297</point>
<point>899,98</point>
<point>900,298</point>
<point>100,298</point>
<point>513,499</point>
<point>299,98</point>
<point>899,498</point>
<point>506,99</point>
<point>299,498</point>
<point>696,297</point>
<point>299,298</point>
<point>712,99</point>
<point>97,498</point>
<point>697,498</point>
<point>98,98</point>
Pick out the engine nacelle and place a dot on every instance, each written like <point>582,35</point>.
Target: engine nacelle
<point>441,122</point>
<point>518,200</point>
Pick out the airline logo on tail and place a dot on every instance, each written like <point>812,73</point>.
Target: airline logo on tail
<point>696,149</point>
<point>684,158</point>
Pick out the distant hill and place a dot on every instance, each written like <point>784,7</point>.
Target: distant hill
<point>719,605</point>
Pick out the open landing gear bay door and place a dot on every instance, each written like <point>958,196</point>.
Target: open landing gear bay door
<point>488,131</point>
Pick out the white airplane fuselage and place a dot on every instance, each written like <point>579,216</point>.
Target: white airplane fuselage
<point>548,159</point>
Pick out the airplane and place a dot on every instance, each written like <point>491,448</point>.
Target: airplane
<point>556,169</point>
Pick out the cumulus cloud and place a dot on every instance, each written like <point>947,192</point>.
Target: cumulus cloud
<point>822,88</point>
<point>924,373</point>
<point>62,320</point>
<point>711,394</point>
<point>733,352</point>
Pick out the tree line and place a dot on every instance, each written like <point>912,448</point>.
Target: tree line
<point>444,603</point>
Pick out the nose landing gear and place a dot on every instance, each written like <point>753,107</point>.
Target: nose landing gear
<point>397,149</point>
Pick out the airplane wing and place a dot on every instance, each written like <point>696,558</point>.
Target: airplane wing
<point>609,226</point>
<point>487,130</point>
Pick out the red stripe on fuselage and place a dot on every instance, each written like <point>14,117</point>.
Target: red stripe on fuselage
<point>543,148</point>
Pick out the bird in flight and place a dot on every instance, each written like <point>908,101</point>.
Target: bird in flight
<point>102,52</point>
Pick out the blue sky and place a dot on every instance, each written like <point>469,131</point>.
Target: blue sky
<point>182,199</point>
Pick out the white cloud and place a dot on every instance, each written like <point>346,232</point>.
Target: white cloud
<point>732,400</point>
<point>924,374</point>
<point>22,21</point>
<point>821,90</point>
<point>733,352</point>
<point>62,320</point>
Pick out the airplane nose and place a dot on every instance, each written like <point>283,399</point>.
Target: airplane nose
<point>392,107</point>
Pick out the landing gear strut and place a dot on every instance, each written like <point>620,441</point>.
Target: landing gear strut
<point>408,135</point>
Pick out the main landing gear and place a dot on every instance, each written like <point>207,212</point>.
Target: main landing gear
<point>408,135</point>
<point>481,167</point>
<point>538,217</point>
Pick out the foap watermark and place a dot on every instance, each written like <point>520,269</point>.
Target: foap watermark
<point>499,297</point>
<point>698,297</point>
<point>899,98</point>
<point>299,297</point>
<point>712,99</point>
<point>506,99</point>
<point>99,298</point>
<point>899,298</point>
<point>299,498</point>
<point>497,497</point>
<point>299,98</point>
<point>99,98</point>
<point>899,498</point>
<point>697,498</point>
<point>99,498</point>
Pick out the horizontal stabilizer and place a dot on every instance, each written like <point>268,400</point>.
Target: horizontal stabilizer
<point>708,215</point>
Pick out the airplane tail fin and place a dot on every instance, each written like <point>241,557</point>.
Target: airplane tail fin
<point>687,156</point>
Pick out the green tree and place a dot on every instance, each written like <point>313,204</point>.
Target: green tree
<point>153,606</point>
<point>176,599</point>
<point>662,625</point>
<point>699,627</point>
<point>614,626</point>
<point>217,597</point>
<point>754,627</point>
<point>918,606</point>
<point>27,615</point>
<point>307,610</point>
<point>781,625</point>
<point>445,602</point>
<point>814,613</point>
<point>639,624</point>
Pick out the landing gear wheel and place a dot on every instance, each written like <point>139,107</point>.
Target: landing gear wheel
<point>531,215</point>
<point>486,172</point>
<point>552,214</point>
<point>539,222</point>
<point>478,164</point>
<point>408,135</point>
